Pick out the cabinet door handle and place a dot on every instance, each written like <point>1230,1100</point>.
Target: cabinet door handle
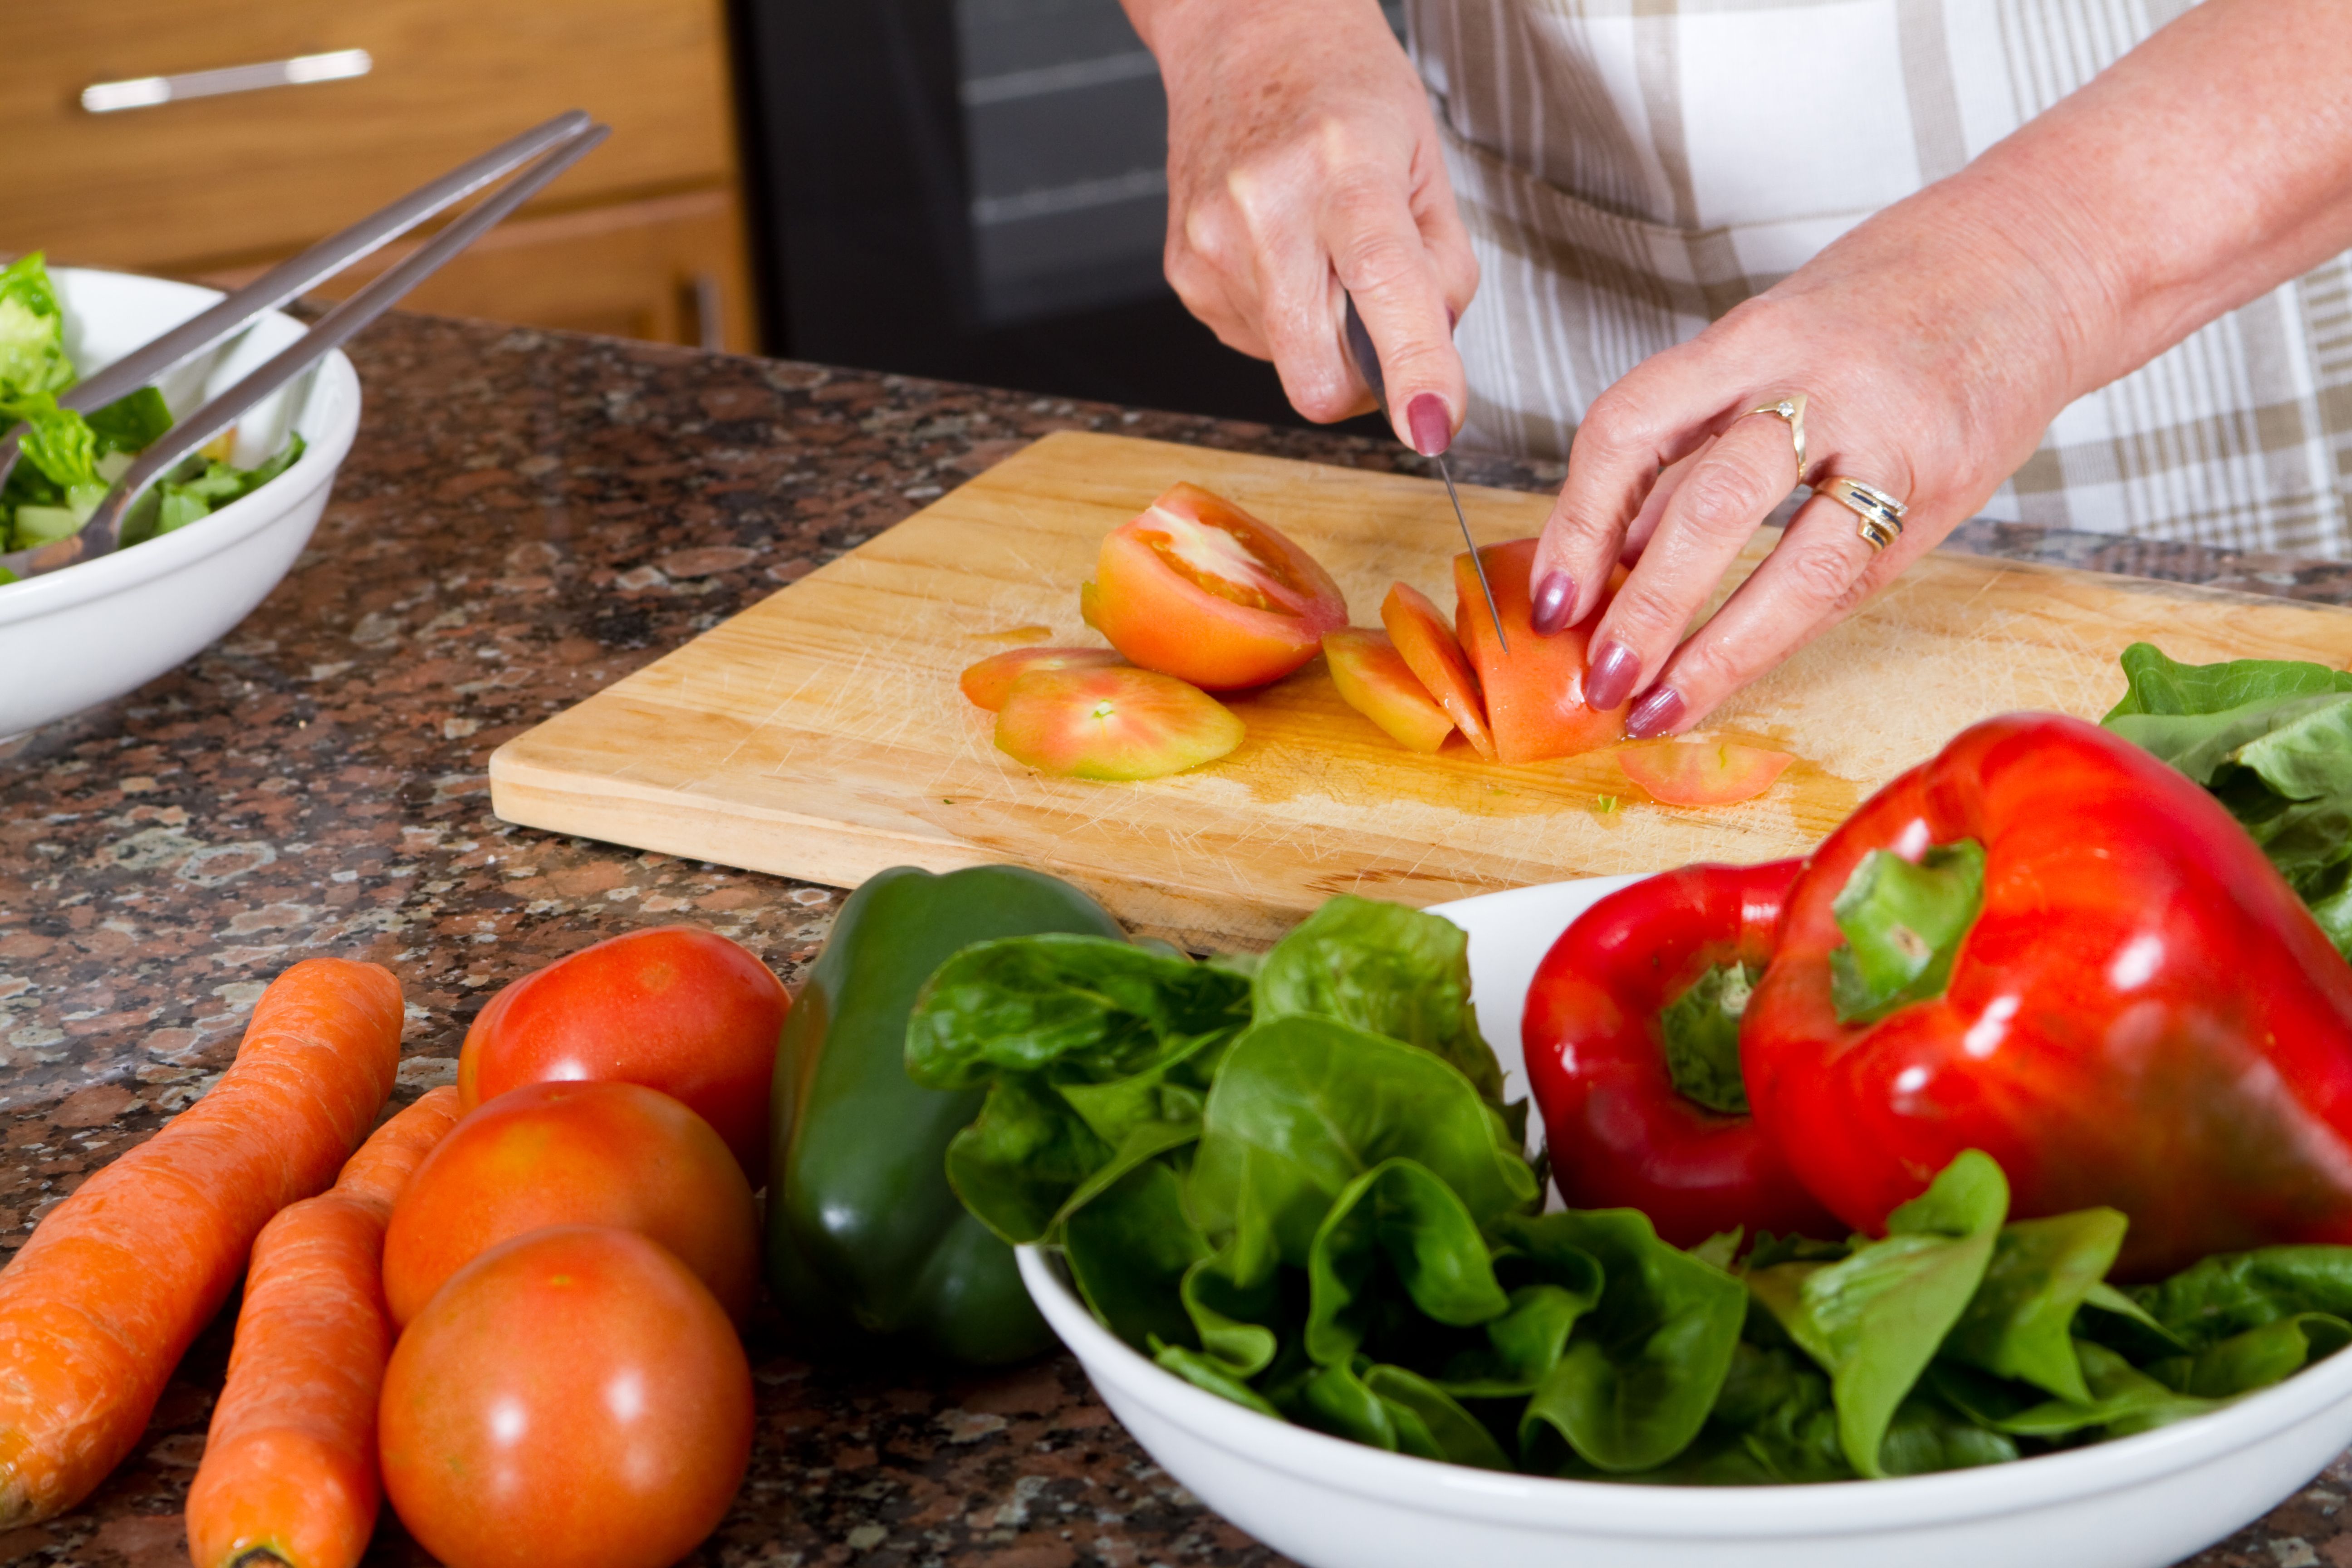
<point>709,308</point>
<point>147,91</point>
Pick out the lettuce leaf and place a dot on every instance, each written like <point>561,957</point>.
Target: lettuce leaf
<point>1875,1318</point>
<point>33,362</point>
<point>2271,740</point>
<point>1386,969</point>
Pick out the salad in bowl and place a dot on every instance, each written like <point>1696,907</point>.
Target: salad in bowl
<point>69,458</point>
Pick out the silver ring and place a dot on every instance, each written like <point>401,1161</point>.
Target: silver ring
<point>1881,514</point>
<point>1791,411</point>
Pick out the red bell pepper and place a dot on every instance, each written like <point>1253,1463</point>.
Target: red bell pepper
<point>1632,1033</point>
<point>2046,944</point>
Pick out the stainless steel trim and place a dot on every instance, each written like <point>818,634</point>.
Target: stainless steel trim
<point>147,91</point>
<point>1010,87</point>
<point>1134,185</point>
<point>710,314</point>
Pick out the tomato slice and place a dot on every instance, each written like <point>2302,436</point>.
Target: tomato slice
<point>1427,647</point>
<point>1702,772</point>
<point>1377,683</point>
<point>1535,694</point>
<point>1122,723</point>
<point>1197,588</point>
<point>987,682</point>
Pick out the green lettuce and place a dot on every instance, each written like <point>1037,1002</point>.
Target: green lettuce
<point>68,459</point>
<point>33,360</point>
<point>1875,1317</point>
<point>2271,740</point>
<point>1291,1183</point>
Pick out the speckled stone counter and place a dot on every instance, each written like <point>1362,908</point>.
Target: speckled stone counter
<point>528,517</point>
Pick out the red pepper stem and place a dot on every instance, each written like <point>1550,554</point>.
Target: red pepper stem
<point>1904,922</point>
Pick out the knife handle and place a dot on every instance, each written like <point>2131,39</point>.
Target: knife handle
<point>1367,358</point>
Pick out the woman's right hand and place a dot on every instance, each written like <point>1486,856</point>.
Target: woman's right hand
<point>1303,167</point>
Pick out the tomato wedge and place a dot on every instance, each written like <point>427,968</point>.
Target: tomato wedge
<point>1377,683</point>
<point>1122,723</point>
<point>1535,694</point>
<point>1702,772</point>
<point>987,682</point>
<point>1427,647</point>
<point>1197,588</point>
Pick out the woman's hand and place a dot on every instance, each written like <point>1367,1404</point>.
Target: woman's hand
<point>1935,342</point>
<point>1932,353</point>
<point>1303,162</point>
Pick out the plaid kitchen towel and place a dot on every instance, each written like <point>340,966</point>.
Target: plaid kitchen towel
<point>1631,169</point>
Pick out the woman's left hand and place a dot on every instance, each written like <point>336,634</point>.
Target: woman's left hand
<point>1935,342</point>
<point>1932,349</point>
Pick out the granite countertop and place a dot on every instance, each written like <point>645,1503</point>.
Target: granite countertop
<point>528,517</point>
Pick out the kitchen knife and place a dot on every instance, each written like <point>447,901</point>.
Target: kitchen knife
<point>1368,365</point>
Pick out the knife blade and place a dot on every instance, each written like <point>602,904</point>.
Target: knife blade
<point>1368,365</point>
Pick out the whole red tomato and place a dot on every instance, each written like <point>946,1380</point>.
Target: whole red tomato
<point>574,1153</point>
<point>574,1399</point>
<point>676,1008</point>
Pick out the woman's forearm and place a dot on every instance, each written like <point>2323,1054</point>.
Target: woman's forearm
<point>2206,166</point>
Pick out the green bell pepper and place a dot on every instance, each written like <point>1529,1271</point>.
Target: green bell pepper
<point>864,1236</point>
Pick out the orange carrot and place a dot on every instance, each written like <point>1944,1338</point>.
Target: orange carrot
<point>289,1468</point>
<point>101,1300</point>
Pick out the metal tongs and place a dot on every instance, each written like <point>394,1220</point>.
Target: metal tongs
<point>556,145</point>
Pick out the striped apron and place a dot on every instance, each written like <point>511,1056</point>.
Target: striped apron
<point>1630,170</point>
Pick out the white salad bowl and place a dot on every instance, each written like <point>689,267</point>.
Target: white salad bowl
<point>74,639</point>
<point>2136,1502</point>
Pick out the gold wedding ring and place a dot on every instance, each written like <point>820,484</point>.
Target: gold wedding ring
<point>1881,514</point>
<point>1791,411</point>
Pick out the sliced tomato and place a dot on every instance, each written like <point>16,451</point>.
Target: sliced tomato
<point>1120,723</point>
<point>987,682</point>
<point>1535,693</point>
<point>1377,683</point>
<point>1197,588</point>
<point>1702,772</point>
<point>1429,649</point>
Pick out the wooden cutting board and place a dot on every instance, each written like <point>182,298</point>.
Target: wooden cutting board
<point>820,734</point>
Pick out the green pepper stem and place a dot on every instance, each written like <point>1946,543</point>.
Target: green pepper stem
<point>1904,922</point>
<point>1700,1031</point>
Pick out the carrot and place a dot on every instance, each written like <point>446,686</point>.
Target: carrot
<point>289,1468</point>
<point>111,1288</point>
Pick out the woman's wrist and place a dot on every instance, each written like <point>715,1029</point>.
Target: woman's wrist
<point>2026,295</point>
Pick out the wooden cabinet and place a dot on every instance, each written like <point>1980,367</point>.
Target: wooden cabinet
<point>644,237</point>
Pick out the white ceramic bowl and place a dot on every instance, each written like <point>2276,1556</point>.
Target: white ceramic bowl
<point>2137,1502</point>
<point>78,638</point>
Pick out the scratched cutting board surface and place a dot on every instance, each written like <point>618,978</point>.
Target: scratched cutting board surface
<point>820,734</point>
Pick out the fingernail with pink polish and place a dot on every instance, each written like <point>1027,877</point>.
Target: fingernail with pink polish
<point>1656,714</point>
<point>1611,679</point>
<point>1431,426</point>
<point>1554,599</point>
